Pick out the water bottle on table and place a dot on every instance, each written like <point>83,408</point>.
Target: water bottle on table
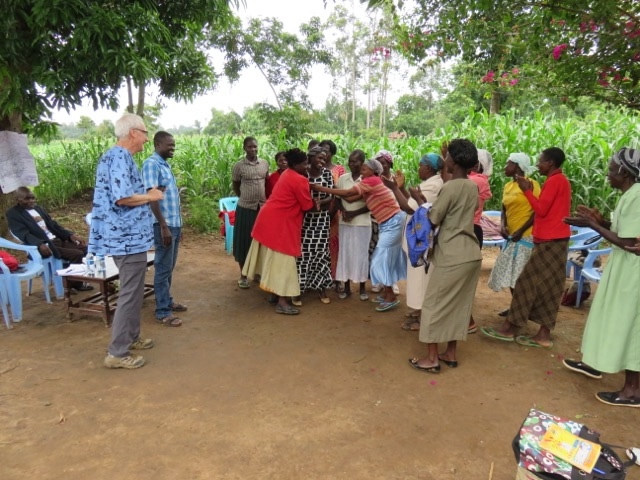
<point>91,264</point>
<point>101,265</point>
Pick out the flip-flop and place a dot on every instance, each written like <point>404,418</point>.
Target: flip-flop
<point>243,283</point>
<point>471,330</point>
<point>414,363</point>
<point>634,454</point>
<point>449,363</point>
<point>504,313</point>
<point>493,333</point>
<point>384,306</point>
<point>613,398</point>
<point>288,310</point>
<point>530,342</point>
<point>378,299</point>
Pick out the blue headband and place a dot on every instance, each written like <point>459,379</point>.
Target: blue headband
<point>432,160</point>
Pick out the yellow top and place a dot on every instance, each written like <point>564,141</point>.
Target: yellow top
<point>517,206</point>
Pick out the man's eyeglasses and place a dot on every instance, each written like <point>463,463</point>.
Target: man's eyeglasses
<point>141,130</point>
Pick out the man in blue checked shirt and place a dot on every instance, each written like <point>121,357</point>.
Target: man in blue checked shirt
<point>167,229</point>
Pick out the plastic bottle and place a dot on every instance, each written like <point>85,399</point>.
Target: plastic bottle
<point>91,265</point>
<point>101,265</point>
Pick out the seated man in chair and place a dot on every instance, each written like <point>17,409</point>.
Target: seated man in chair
<point>32,225</point>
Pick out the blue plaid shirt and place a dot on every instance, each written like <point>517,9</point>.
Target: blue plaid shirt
<point>156,172</point>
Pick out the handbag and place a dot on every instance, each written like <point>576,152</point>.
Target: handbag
<point>546,466</point>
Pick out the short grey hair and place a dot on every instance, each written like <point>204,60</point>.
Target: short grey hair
<point>125,123</point>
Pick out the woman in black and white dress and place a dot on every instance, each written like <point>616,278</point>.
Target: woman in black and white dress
<point>314,266</point>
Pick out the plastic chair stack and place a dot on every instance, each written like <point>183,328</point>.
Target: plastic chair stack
<point>228,204</point>
<point>588,272</point>
<point>28,271</point>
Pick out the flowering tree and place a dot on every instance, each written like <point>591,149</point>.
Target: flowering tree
<point>564,47</point>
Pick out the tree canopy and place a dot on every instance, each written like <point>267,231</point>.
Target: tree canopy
<point>565,47</point>
<point>58,52</point>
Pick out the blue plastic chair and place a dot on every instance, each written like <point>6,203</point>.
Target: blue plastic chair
<point>496,217</point>
<point>588,272</point>
<point>28,271</point>
<point>228,204</point>
<point>51,266</point>
<point>4,296</point>
<point>584,239</point>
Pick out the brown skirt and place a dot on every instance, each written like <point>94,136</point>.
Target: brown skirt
<point>539,287</point>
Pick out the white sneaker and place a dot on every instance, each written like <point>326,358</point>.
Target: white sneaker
<point>631,452</point>
<point>130,361</point>
<point>396,289</point>
<point>376,288</point>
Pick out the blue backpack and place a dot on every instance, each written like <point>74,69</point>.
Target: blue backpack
<point>418,231</point>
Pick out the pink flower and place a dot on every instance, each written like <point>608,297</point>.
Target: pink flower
<point>515,71</point>
<point>603,83</point>
<point>513,81</point>
<point>583,27</point>
<point>489,77</point>
<point>636,57</point>
<point>505,74</point>
<point>558,49</point>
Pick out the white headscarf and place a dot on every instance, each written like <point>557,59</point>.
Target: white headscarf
<point>486,160</point>
<point>523,161</point>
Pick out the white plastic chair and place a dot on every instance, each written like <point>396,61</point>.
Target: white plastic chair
<point>28,271</point>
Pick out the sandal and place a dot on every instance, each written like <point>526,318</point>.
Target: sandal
<point>364,297</point>
<point>243,283</point>
<point>296,303</point>
<point>411,324</point>
<point>414,363</point>
<point>178,307</point>
<point>169,321</point>
<point>325,299</point>
<point>288,310</point>
<point>343,295</point>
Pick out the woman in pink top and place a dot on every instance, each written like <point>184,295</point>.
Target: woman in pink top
<point>388,262</point>
<point>480,176</point>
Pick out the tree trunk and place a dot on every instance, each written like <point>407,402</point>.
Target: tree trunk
<point>494,108</point>
<point>140,107</point>
<point>12,123</point>
<point>129,96</point>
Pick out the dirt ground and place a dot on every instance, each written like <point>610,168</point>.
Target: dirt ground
<point>239,392</point>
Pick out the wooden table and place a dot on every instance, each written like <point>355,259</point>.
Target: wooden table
<point>104,302</point>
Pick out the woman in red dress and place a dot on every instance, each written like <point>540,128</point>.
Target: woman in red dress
<point>277,234</point>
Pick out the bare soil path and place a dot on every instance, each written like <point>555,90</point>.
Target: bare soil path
<point>239,392</point>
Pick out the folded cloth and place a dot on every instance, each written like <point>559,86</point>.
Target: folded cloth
<point>73,269</point>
